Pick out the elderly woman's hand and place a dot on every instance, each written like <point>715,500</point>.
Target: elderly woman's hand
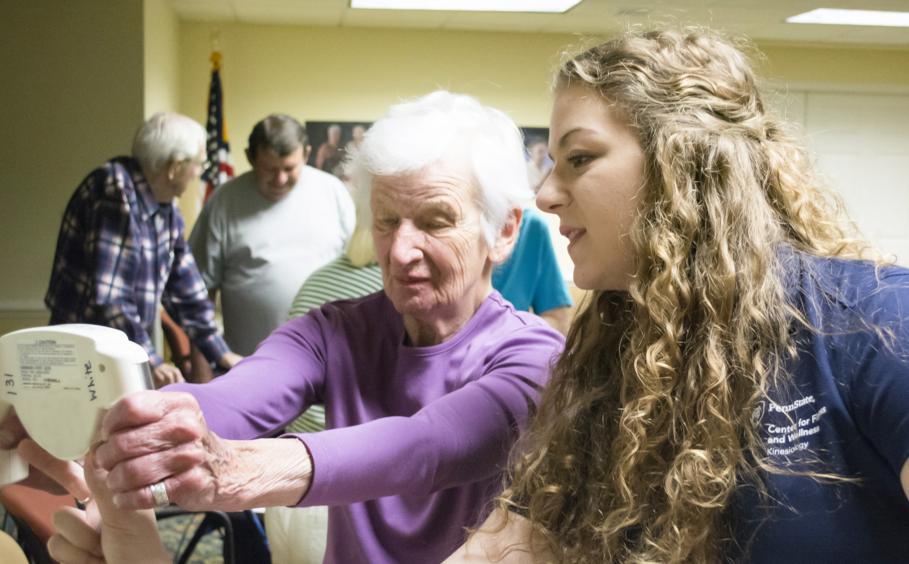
<point>103,532</point>
<point>159,437</point>
<point>152,438</point>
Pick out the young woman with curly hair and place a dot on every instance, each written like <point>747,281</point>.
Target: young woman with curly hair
<point>737,388</point>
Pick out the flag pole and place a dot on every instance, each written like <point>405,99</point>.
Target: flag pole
<point>219,169</point>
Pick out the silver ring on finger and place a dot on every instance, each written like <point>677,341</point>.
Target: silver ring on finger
<point>159,494</point>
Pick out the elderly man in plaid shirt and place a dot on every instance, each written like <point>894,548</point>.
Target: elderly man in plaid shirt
<point>121,250</point>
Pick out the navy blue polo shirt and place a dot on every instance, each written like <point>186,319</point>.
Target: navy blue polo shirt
<point>845,409</point>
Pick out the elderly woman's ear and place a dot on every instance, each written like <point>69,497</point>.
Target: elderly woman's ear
<point>508,236</point>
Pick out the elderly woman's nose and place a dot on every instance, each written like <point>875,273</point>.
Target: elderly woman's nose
<point>405,244</point>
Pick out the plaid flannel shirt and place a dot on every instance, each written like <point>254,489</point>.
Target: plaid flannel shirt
<point>120,254</point>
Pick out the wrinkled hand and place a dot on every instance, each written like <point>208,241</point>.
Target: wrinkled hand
<point>150,437</point>
<point>45,472</point>
<point>103,532</point>
<point>165,374</point>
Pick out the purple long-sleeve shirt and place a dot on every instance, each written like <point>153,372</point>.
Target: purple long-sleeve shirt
<point>417,437</point>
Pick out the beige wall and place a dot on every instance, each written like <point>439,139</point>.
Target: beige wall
<point>856,69</point>
<point>354,74</point>
<point>65,110</point>
<point>71,97</point>
<point>161,51</point>
<point>161,80</point>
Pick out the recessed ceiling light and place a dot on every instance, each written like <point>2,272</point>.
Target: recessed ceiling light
<point>553,6</point>
<point>852,17</point>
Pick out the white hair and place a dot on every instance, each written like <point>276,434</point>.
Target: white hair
<point>440,126</point>
<point>167,137</point>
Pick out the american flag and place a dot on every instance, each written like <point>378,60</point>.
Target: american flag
<point>219,169</point>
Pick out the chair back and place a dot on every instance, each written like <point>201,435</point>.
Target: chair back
<point>33,512</point>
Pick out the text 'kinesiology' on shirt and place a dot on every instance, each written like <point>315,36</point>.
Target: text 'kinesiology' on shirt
<point>845,410</point>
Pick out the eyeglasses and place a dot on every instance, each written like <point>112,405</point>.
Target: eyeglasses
<point>203,163</point>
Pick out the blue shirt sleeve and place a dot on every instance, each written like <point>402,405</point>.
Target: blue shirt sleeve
<point>877,353</point>
<point>531,277</point>
<point>552,292</point>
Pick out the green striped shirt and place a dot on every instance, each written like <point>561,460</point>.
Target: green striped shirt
<point>337,280</point>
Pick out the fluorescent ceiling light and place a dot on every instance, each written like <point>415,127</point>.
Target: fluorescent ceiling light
<point>555,6</point>
<point>852,17</point>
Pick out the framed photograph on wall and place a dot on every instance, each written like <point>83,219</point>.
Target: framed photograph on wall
<point>331,141</point>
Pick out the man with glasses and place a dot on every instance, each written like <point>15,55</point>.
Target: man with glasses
<point>121,251</point>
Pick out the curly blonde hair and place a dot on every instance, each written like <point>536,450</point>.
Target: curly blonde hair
<point>646,427</point>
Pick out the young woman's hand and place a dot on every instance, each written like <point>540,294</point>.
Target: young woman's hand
<point>103,532</point>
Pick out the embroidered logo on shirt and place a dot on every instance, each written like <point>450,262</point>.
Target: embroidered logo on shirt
<point>792,426</point>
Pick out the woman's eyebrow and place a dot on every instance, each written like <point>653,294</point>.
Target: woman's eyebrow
<point>563,140</point>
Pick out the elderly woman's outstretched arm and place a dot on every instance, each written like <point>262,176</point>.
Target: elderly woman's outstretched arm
<point>460,437</point>
<point>152,436</point>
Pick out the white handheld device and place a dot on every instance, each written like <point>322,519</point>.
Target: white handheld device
<point>61,379</point>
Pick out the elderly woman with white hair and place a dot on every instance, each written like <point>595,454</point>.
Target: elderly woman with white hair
<point>425,385</point>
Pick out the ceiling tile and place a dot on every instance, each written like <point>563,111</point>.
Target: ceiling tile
<point>289,12</point>
<point>497,21</point>
<point>394,18</point>
<point>762,20</point>
<point>204,10</point>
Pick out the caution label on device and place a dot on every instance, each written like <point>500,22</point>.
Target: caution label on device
<point>40,363</point>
